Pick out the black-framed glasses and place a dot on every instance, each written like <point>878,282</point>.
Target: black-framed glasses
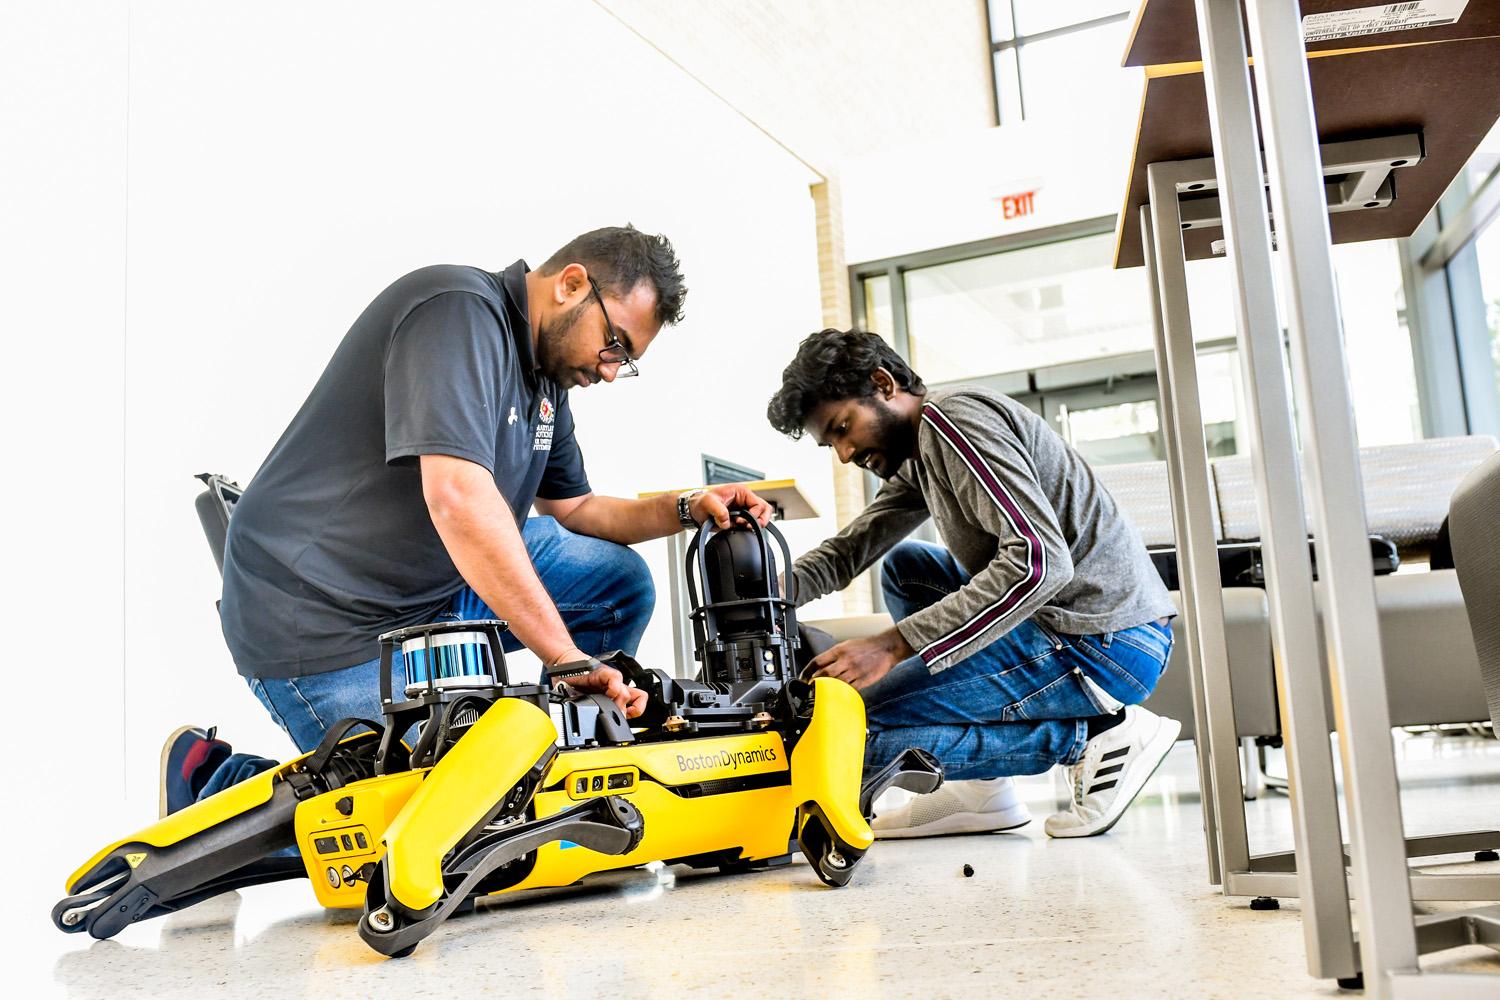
<point>614,352</point>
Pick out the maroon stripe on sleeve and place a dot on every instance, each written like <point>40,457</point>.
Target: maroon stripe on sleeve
<point>1036,552</point>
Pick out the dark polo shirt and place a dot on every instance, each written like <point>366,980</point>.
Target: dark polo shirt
<point>331,543</point>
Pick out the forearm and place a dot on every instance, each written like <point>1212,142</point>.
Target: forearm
<point>480,535</point>
<point>616,519</point>
<point>832,565</point>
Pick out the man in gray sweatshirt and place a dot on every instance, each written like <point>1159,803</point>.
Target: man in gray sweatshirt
<point>1028,641</point>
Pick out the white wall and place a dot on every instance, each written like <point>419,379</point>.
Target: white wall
<point>832,78</point>
<point>62,254</point>
<point>940,192</point>
<point>285,162</point>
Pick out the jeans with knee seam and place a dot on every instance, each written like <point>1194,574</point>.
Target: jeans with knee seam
<point>603,591</point>
<point>1016,706</point>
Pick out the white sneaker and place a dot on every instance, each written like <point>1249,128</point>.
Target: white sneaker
<point>1114,768</point>
<point>957,807</point>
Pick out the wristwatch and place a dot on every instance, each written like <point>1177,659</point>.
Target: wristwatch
<point>684,505</point>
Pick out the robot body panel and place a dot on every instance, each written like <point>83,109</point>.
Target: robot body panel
<point>460,792</point>
<point>689,809</point>
<point>340,832</point>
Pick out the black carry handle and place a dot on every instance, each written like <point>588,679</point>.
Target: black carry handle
<point>699,548</point>
<point>335,733</point>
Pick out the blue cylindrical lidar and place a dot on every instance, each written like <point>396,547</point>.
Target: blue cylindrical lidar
<point>449,659</point>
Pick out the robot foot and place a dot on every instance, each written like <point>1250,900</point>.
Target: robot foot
<point>609,824</point>
<point>914,770</point>
<point>828,853</point>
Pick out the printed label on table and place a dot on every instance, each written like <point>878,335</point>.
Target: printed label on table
<point>1380,19</point>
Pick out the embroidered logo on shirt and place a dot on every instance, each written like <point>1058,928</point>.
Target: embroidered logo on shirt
<point>543,439</point>
<point>512,418</point>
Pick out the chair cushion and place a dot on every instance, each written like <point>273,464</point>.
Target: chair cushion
<point>1406,486</point>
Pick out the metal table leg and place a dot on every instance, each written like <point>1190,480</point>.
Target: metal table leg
<point>1187,625</point>
<point>1187,469</point>
<point>1387,938</point>
<point>1273,452</point>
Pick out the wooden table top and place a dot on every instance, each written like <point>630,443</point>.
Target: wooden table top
<point>791,503</point>
<point>1448,92</point>
<point>1166,31</point>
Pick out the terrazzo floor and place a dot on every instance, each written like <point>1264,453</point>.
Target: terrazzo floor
<point>1129,914</point>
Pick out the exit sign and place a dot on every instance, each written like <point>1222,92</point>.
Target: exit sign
<point>1019,205</point>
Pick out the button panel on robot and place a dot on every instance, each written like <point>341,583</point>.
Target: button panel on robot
<point>609,781</point>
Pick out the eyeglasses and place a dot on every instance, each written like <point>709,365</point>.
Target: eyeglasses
<point>614,352</point>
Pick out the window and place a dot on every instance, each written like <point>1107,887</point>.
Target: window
<point>1487,249</point>
<point>719,470</point>
<point>1114,432</point>
<point>878,317</point>
<point>1484,170</point>
<point>1026,309</point>
<point>1377,343</point>
<point>1046,319</point>
<point>1048,55</point>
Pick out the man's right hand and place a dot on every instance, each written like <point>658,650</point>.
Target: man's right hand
<point>606,681</point>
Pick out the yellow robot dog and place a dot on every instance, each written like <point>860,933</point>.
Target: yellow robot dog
<point>515,786</point>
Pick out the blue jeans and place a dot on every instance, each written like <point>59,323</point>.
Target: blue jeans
<point>1017,706</point>
<point>603,591</point>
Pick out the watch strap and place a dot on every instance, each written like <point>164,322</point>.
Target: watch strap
<point>684,508</point>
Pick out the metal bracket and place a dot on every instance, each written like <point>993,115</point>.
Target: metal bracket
<point>1357,175</point>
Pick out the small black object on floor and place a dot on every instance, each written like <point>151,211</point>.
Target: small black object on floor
<point>968,871</point>
<point>1265,903</point>
<point>1486,856</point>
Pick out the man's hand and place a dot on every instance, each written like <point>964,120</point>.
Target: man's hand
<point>611,683</point>
<point>862,662</point>
<point>715,502</point>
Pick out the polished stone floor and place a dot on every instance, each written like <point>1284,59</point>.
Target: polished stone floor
<point>1128,914</point>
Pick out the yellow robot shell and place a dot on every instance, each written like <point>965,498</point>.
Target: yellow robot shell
<point>231,802</point>
<point>755,822</point>
<point>480,770</point>
<point>323,827</point>
<point>681,762</point>
<point>828,762</point>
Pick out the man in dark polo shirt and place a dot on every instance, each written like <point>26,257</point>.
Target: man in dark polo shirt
<point>400,492</point>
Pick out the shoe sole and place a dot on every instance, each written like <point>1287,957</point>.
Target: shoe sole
<point>963,822</point>
<point>1160,745</point>
<point>161,773</point>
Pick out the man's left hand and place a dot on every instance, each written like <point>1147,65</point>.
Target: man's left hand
<point>715,502</point>
<point>862,662</point>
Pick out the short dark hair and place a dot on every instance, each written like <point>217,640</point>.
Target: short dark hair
<point>621,257</point>
<point>834,365</point>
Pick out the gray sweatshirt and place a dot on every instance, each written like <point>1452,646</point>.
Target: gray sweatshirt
<point>1020,511</point>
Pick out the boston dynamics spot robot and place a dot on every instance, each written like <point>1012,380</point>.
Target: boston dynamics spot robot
<point>507,787</point>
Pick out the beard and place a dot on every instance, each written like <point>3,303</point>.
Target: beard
<point>898,442</point>
<point>551,352</point>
